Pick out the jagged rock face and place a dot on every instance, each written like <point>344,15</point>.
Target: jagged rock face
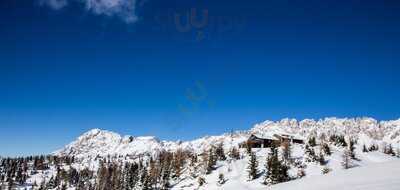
<point>101,143</point>
<point>347,126</point>
<point>96,142</point>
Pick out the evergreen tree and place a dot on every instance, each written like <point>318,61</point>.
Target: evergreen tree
<point>287,152</point>
<point>352,148</point>
<point>144,179</point>
<point>73,176</point>
<point>10,184</point>
<point>19,178</point>
<point>312,142</point>
<point>64,187</point>
<point>85,176</point>
<point>165,179</point>
<point>346,159</point>
<point>343,141</point>
<point>234,153</point>
<point>326,149</point>
<point>210,161</point>
<point>252,167</point>
<point>321,159</point>
<point>221,179</point>
<point>389,150</point>
<point>194,166</point>
<point>248,148</point>
<point>201,181</point>
<point>276,171</point>
<point>51,184</point>
<point>340,140</point>
<point>219,151</point>
<point>325,170</point>
<point>398,152</point>
<point>146,184</point>
<point>310,154</point>
<point>131,176</point>
<point>364,148</point>
<point>373,147</point>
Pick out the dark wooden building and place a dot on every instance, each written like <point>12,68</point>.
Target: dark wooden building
<point>258,142</point>
<point>255,141</point>
<point>288,138</point>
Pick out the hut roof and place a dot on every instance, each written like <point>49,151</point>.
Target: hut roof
<point>264,136</point>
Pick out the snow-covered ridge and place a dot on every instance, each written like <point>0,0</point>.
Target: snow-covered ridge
<point>100,143</point>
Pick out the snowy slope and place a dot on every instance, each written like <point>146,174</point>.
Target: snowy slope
<point>371,161</point>
<point>381,176</point>
<point>378,176</point>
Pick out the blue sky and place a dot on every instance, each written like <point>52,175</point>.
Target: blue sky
<point>66,68</point>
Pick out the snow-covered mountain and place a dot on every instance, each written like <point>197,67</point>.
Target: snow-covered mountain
<point>100,143</point>
<point>99,158</point>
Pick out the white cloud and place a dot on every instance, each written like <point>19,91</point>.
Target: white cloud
<point>124,9</point>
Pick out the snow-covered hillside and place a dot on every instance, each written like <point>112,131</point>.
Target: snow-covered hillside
<point>352,151</point>
<point>380,176</point>
<point>376,176</point>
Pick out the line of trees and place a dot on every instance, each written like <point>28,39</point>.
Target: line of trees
<point>160,171</point>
